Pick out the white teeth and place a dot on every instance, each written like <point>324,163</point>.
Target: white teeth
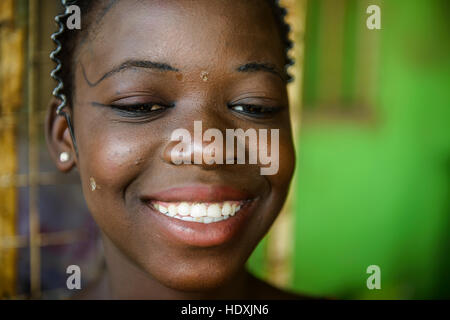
<point>163,209</point>
<point>226,209</point>
<point>173,210</point>
<point>199,212</point>
<point>214,211</point>
<point>207,220</point>
<point>233,210</point>
<point>184,209</point>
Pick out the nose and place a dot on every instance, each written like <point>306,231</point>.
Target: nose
<point>205,149</point>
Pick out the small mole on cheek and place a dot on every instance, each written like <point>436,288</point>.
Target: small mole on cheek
<point>204,75</point>
<point>179,77</point>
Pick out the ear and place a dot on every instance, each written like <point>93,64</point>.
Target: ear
<point>58,138</point>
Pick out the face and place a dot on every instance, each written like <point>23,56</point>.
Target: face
<point>148,68</point>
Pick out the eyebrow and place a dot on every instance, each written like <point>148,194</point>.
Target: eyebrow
<point>257,66</point>
<point>130,64</point>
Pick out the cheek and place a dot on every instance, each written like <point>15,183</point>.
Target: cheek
<point>279,182</point>
<point>282,179</point>
<point>109,162</point>
<point>111,158</point>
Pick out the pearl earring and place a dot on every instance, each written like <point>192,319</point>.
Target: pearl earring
<point>64,156</point>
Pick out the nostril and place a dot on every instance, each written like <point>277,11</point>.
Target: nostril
<point>182,149</point>
<point>177,153</point>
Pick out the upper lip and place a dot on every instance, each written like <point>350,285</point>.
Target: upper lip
<point>199,193</point>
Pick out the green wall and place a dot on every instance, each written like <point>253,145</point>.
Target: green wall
<point>377,192</point>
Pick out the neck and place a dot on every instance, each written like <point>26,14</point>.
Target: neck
<point>124,280</point>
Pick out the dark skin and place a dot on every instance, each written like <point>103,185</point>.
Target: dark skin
<point>158,53</point>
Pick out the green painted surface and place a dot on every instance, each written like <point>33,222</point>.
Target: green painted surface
<point>379,193</point>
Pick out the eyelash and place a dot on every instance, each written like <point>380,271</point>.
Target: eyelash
<point>146,109</point>
<point>255,110</point>
<point>142,109</point>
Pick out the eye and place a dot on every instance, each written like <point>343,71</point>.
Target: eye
<point>254,110</point>
<point>142,109</point>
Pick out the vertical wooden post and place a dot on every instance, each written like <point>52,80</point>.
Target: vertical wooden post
<point>11,87</point>
<point>33,152</point>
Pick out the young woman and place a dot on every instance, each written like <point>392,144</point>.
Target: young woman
<point>134,73</point>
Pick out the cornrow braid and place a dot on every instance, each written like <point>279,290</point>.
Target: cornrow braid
<point>280,14</point>
<point>67,40</point>
<point>58,91</point>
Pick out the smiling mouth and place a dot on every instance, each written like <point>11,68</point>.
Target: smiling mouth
<point>200,215</point>
<point>200,212</point>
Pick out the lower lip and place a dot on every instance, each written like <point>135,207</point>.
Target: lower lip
<point>201,234</point>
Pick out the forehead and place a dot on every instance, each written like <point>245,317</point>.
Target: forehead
<point>186,33</point>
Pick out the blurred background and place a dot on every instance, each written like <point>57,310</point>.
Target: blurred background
<point>371,114</point>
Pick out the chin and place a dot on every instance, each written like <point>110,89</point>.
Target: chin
<point>199,279</point>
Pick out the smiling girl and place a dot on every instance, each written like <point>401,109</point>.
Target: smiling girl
<point>134,73</point>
